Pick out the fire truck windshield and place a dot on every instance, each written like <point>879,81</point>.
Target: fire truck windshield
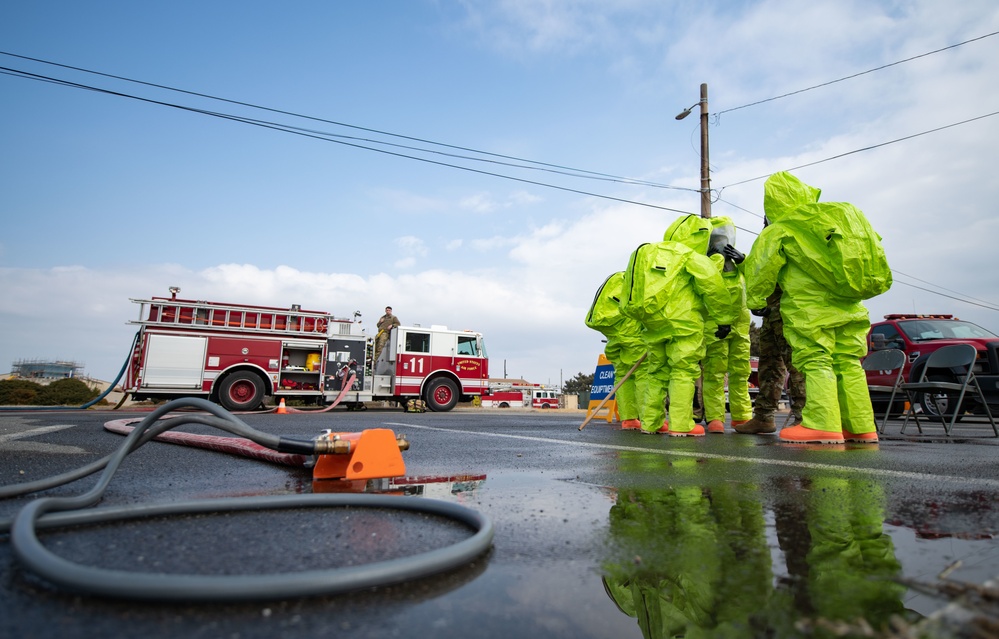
<point>467,345</point>
<point>918,330</point>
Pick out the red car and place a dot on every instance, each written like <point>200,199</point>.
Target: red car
<point>920,335</point>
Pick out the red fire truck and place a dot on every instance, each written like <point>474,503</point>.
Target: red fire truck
<point>238,354</point>
<point>518,396</point>
<point>504,399</point>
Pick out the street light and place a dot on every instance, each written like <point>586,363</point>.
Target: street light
<point>705,170</point>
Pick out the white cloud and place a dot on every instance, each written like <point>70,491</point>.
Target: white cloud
<point>411,244</point>
<point>479,203</point>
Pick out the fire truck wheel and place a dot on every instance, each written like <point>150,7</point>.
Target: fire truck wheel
<point>241,391</point>
<point>441,394</point>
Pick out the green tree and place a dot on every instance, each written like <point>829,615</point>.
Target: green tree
<point>66,392</point>
<point>62,392</point>
<point>18,392</point>
<point>578,384</point>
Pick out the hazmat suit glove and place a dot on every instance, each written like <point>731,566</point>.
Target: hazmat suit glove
<point>733,254</point>
<point>723,331</point>
<point>760,312</point>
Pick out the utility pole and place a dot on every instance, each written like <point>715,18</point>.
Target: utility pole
<point>705,164</point>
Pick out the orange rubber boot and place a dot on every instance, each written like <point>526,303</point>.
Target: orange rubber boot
<point>696,431</point>
<point>631,424</point>
<point>716,426</point>
<point>803,435</point>
<point>867,438</point>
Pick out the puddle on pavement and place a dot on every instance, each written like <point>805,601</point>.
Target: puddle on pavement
<point>708,547</point>
<point>718,548</point>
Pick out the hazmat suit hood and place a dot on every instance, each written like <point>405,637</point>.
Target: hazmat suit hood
<point>605,315</point>
<point>692,231</point>
<point>722,233</point>
<point>783,193</point>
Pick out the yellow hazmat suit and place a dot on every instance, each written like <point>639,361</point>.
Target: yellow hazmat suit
<point>624,346</point>
<point>672,287</point>
<point>826,258</point>
<point>729,355</point>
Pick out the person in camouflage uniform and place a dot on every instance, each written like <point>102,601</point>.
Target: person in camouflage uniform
<point>385,324</point>
<point>775,365</point>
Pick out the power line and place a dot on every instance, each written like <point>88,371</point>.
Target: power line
<point>984,303</point>
<point>866,148</point>
<point>967,299</point>
<point>855,75</point>
<point>594,174</point>
<point>985,306</point>
<point>580,173</point>
<point>325,137</point>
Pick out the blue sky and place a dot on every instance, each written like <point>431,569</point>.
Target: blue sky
<point>105,198</point>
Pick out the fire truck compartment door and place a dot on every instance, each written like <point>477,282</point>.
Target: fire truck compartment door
<point>174,362</point>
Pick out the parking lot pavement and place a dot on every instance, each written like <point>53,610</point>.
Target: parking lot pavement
<point>593,530</point>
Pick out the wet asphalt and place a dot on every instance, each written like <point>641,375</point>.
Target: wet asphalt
<point>597,533</point>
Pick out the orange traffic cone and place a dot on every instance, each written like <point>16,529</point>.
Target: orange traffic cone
<point>281,410</point>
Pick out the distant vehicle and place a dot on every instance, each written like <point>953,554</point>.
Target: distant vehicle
<point>504,399</point>
<point>754,377</point>
<point>541,398</point>
<point>519,396</point>
<point>920,335</point>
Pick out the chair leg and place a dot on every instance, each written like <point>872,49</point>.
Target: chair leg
<point>988,411</point>
<point>884,422</point>
<point>957,407</point>
<point>911,411</point>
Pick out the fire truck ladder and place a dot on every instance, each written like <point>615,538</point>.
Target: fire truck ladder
<point>223,317</point>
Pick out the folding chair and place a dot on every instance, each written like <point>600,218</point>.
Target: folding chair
<point>948,358</point>
<point>888,360</point>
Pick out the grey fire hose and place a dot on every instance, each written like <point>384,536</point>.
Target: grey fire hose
<point>52,512</point>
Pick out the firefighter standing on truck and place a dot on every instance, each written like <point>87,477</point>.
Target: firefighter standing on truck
<point>385,324</point>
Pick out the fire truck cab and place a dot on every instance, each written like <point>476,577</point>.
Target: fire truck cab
<point>237,355</point>
<point>438,364</point>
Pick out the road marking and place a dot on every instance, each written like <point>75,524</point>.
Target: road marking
<point>34,431</point>
<point>39,447</point>
<point>8,443</point>
<point>752,460</point>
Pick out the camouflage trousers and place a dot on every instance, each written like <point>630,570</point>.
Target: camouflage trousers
<point>775,367</point>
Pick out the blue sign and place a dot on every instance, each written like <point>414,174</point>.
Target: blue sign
<point>603,380</point>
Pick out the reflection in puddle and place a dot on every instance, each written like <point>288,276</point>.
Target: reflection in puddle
<point>457,488</point>
<point>691,556</point>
